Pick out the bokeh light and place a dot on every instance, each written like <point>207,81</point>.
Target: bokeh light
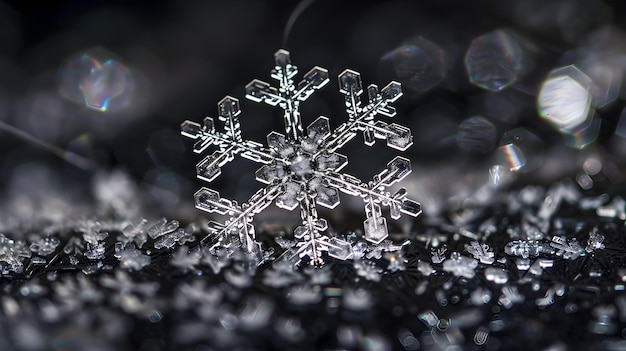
<point>418,64</point>
<point>519,149</point>
<point>494,60</point>
<point>565,98</point>
<point>476,135</point>
<point>97,80</point>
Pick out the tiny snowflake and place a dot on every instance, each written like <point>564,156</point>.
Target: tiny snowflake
<point>302,167</point>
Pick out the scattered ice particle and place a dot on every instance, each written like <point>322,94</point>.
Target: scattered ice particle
<point>522,264</point>
<point>171,239</point>
<point>429,318</point>
<point>595,241</point>
<point>92,233</point>
<point>589,203</point>
<point>496,275</point>
<point>38,260</point>
<point>480,296</point>
<point>510,296</point>
<point>12,253</point>
<point>255,313</point>
<point>604,320</point>
<point>339,249</point>
<point>238,279</point>
<point>358,250</point>
<point>438,254</point>
<point>185,260</point>
<point>494,60</point>
<point>565,98</point>
<point>304,295</point>
<point>481,252</point>
<point>162,227</point>
<point>135,233</point>
<point>460,266</point>
<point>397,262</point>
<point>569,249</point>
<point>133,259</point>
<point>95,251</point>
<point>527,248</point>
<point>539,265</point>
<point>290,329</point>
<point>481,336</point>
<point>45,246</point>
<point>368,270</point>
<point>425,268</point>
<point>285,243</point>
<point>408,340</point>
<point>357,299</point>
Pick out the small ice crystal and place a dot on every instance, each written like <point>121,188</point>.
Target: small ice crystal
<point>12,254</point>
<point>595,241</point>
<point>171,239</point>
<point>135,233</point>
<point>45,246</point>
<point>496,275</point>
<point>481,252</point>
<point>425,268</point>
<point>92,232</point>
<point>162,227</point>
<point>460,266</point>
<point>133,259</point>
<point>527,248</point>
<point>368,270</point>
<point>569,249</point>
<point>480,296</point>
<point>95,251</point>
<point>510,296</point>
<point>429,318</point>
<point>184,260</point>
<point>438,254</point>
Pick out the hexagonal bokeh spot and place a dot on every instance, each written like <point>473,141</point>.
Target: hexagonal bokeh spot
<point>476,135</point>
<point>565,98</point>
<point>418,64</point>
<point>494,60</point>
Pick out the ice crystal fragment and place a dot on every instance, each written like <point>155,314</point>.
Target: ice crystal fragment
<point>527,248</point>
<point>496,275</point>
<point>595,241</point>
<point>184,260</point>
<point>510,296</point>
<point>425,268</point>
<point>135,233</point>
<point>171,239</point>
<point>438,254</point>
<point>460,266</point>
<point>95,251</point>
<point>302,167</point>
<point>45,246</point>
<point>481,252</point>
<point>480,296</point>
<point>569,249</point>
<point>133,259</point>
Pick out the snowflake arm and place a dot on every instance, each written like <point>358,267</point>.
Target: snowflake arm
<point>288,96</point>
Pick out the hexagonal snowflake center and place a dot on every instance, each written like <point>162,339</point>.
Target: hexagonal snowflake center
<point>301,167</point>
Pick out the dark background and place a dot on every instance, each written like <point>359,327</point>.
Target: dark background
<point>184,56</point>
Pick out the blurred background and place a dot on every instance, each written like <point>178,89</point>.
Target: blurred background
<point>497,94</point>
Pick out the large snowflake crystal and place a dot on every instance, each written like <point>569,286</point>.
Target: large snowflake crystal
<point>302,168</point>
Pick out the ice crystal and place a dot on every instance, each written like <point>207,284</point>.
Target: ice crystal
<point>460,266</point>
<point>481,252</point>
<point>302,167</point>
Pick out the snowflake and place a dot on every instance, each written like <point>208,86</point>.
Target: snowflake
<point>302,167</point>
